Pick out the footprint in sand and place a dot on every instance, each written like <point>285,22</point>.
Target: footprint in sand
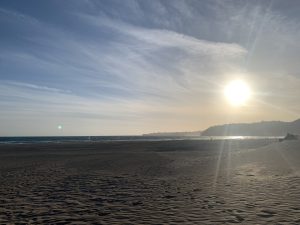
<point>169,196</point>
<point>266,213</point>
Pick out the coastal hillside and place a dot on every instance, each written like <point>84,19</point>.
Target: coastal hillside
<point>174,134</point>
<point>264,128</point>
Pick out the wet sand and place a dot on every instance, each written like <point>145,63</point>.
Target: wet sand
<point>162,182</point>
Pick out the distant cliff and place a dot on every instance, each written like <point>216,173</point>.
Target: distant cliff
<point>264,128</point>
<point>174,134</point>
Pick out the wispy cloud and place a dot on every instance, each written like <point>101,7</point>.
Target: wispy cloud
<point>33,86</point>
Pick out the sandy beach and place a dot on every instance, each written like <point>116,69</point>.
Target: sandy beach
<point>160,182</point>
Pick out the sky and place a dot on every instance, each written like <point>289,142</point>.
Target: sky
<point>127,67</point>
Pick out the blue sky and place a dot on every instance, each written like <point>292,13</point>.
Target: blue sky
<point>132,67</point>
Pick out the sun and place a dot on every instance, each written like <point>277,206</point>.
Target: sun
<point>237,92</point>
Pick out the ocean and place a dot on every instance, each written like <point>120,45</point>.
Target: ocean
<point>63,139</point>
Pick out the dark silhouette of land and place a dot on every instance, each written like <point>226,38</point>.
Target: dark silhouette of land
<point>265,128</point>
<point>175,134</point>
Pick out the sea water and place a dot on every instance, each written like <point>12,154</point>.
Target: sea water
<point>63,139</point>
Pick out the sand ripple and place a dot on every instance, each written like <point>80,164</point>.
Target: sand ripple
<point>150,187</point>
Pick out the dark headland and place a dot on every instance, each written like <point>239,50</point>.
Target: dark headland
<point>263,128</point>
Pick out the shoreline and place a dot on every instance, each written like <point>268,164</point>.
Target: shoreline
<point>105,139</point>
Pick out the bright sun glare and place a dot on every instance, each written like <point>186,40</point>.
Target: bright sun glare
<point>237,92</point>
